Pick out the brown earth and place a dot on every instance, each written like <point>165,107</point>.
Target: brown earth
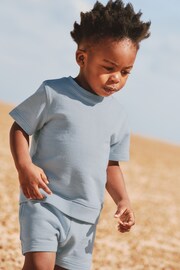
<point>153,182</point>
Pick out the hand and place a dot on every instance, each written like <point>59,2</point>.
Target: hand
<point>31,178</point>
<point>125,217</point>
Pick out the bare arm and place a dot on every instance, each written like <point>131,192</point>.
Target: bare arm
<point>31,177</point>
<point>116,187</point>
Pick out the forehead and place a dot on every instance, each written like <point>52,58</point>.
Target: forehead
<point>122,50</point>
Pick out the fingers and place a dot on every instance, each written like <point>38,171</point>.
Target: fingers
<point>35,194</point>
<point>25,192</point>
<point>32,190</point>
<point>125,226</point>
<point>32,179</point>
<point>123,230</point>
<point>126,220</point>
<point>44,178</point>
<point>44,183</point>
<point>45,188</point>
<point>32,194</point>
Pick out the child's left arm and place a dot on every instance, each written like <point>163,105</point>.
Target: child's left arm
<point>116,187</point>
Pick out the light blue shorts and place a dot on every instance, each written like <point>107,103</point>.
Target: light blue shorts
<point>44,228</point>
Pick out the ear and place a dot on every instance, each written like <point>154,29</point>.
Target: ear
<point>80,57</point>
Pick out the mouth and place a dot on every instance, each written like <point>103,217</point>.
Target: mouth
<point>110,90</point>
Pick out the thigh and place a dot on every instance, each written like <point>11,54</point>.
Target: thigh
<point>59,268</point>
<point>39,261</point>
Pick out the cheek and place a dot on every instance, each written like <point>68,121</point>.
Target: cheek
<point>95,75</point>
<point>123,82</point>
<point>104,77</point>
<point>90,72</point>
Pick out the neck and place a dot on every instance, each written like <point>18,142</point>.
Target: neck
<point>82,83</point>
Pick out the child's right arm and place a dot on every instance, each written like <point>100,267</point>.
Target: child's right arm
<point>31,177</point>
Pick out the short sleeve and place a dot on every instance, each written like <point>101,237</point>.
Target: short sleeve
<point>120,143</point>
<point>31,114</point>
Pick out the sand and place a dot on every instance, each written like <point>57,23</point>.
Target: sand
<point>153,182</point>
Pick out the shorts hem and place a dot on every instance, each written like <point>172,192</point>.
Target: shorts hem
<point>37,248</point>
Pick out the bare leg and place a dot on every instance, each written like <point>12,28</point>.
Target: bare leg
<point>39,261</point>
<point>59,268</point>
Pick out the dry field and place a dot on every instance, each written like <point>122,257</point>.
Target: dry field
<point>153,182</point>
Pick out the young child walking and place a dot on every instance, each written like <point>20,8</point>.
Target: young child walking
<point>79,134</point>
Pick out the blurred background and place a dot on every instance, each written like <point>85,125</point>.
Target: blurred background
<point>36,45</point>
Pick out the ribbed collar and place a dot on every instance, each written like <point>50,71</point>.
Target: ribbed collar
<point>83,93</point>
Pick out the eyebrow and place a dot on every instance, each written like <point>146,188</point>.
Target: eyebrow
<point>114,63</point>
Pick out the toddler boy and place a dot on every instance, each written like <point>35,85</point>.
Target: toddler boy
<point>79,134</point>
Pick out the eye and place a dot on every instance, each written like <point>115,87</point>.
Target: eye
<point>125,72</point>
<point>109,69</point>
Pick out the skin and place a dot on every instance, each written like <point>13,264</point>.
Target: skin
<point>105,67</point>
<point>104,70</point>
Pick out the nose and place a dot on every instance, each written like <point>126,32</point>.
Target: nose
<point>114,78</point>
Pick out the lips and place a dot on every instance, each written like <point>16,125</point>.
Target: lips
<point>110,89</point>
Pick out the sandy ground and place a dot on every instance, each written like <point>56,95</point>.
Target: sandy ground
<point>153,182</point>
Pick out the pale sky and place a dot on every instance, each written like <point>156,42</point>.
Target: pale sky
<point>35,45</point>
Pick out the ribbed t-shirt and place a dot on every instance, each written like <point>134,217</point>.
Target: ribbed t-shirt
<point>74,135</point>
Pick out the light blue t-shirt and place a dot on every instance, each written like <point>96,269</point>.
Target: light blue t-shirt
<point>75,134</point>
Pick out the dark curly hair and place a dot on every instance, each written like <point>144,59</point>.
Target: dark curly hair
<point>115,20</point>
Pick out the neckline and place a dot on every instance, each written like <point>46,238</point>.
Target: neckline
<point>89,96</point>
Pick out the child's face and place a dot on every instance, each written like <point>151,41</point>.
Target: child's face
<point>105,67</point>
